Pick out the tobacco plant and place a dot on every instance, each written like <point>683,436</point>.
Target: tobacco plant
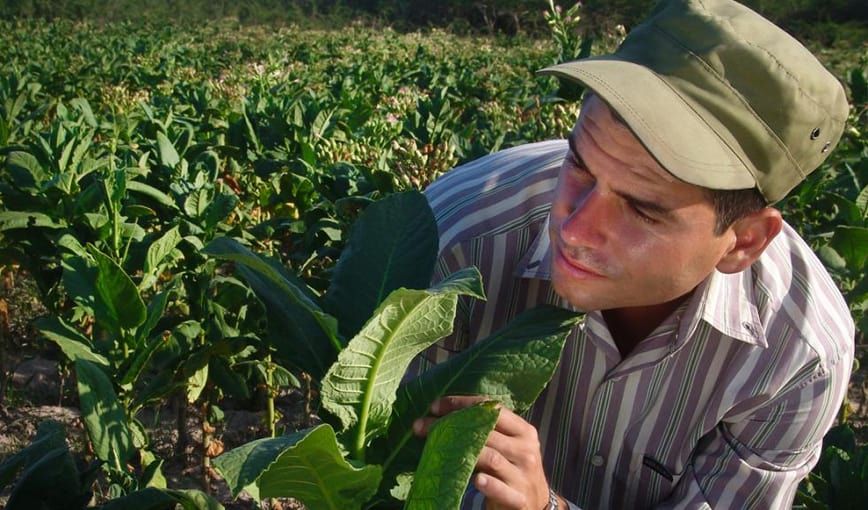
<point>361,338</point>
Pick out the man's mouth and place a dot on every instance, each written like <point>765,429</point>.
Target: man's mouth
<point>578,269</point>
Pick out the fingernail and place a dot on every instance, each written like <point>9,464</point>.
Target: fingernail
<point>435,407</point>
<point>417,427</point>
<point>481,480</point>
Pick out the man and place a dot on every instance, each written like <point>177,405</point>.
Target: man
<point>716,349</point>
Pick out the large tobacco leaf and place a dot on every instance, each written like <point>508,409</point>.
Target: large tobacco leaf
<point>166,151</point>
<point>393,244</point>
<point>152,193</point>
<point>118,303</point>
<point>360,387</point>
<point>307,465</point>
<point>451,450</point>
<point>512,366</point>
<point>103,416</point>
<point>300,330</point>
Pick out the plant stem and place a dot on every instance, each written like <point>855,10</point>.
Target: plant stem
<point>206,444</point>
<point>3,376</point>
<point>269,393</point>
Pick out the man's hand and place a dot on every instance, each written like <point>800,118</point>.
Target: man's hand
<point>509,471</point>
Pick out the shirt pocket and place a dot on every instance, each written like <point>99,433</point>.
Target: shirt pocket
<point>644,478</point>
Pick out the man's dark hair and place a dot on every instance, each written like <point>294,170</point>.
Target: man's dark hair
<point>730,205</point>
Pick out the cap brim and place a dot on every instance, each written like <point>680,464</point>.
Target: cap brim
<point>662,120</point>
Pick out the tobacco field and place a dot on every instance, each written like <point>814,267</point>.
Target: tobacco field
<point>174,201</point>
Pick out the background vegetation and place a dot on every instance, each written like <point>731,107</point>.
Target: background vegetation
<point>510,16</point>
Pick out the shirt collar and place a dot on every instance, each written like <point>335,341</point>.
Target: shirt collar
<point>724,301</point>
<point>536,261</point>
<point>727,303</point>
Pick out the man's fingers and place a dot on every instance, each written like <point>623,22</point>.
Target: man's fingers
<point>446,405</point>
<point>511,424</point>
<point>421,426</point>
<point>496,464</point>
<point>498,494</point>
<point>443,406</point>
<point>520,453</point>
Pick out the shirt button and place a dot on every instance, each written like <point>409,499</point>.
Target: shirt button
<point>597,460</point>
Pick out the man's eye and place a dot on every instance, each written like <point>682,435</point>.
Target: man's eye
<point>641,214</point>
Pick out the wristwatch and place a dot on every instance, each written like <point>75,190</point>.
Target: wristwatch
<point>553,500</point>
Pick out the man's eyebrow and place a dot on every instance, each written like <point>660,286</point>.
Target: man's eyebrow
<point>646,205</point>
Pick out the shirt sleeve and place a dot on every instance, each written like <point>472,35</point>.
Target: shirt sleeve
<point>758,459</point>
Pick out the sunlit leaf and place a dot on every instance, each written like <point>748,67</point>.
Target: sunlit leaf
<point>512,366</point>
<point>118,304</point>
<point>166,150</point>
<point>10,220</point>
<point>306,465</point>
<point>360,387</point>
<point>451,450</point>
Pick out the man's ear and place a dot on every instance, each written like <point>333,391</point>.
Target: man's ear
<point>752,234</point>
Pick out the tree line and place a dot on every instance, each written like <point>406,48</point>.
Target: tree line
<point>488,16</point>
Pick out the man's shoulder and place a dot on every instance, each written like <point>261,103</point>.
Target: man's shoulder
<point>793,286</point>
<point>497,191</point>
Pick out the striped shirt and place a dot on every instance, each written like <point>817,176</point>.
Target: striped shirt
<point>724,405</point>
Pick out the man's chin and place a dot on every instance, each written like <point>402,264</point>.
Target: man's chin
<point>581,302</point>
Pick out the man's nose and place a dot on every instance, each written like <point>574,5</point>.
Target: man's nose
<point>586,223</point>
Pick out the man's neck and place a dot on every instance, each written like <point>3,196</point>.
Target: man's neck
<point>629,326</point>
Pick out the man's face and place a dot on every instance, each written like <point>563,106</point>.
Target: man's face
<point>625,232</point>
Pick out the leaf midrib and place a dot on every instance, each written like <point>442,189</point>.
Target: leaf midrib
<point>371,382</point>
<point>474,356</point>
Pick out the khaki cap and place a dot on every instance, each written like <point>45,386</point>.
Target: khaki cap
<point>720,96</point>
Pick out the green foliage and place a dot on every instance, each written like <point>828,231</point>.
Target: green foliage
<point>572,43</point>
<point>377,260</point>
<point>449,457</point>
<point>840,480</point>
<point>564,27</point>
<point>307,465</point>
<point>512,365</point>
<point>361,387</point>
<point>103,416</point>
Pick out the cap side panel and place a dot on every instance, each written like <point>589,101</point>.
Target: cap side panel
<point>723,107</point>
